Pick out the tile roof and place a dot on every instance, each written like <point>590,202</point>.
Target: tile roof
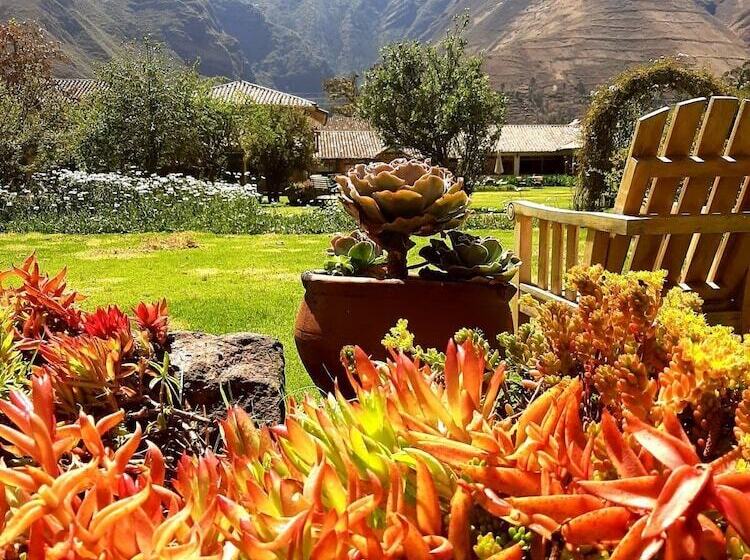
<point>236,91</point>
<point>76,89</point>
<point>349,144</point>
<point>241,90</point>
<point>538,138</point>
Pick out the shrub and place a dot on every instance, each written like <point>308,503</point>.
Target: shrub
<point>507,183</point>
<point>441,455</point>
<point>35,124</point>
<point>78,202</point>
<point>435,100</point>
<point>154,114</point>
<point>277,142</point>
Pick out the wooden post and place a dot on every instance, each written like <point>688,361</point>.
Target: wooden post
<point>523,233</point>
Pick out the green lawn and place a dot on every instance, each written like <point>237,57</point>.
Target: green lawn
<point>225,284</point>
<point>558,197</point>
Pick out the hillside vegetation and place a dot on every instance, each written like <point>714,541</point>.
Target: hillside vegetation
<point>546,54</point>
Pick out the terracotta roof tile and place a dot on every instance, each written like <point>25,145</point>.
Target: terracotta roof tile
<point>76,89</point>
<point>538,138</point>
<point>236,91</point>
<point>349,144</point>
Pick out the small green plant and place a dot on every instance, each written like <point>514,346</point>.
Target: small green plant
<point>469,256</point>
<point>13,368</point>
<point>355,255</point>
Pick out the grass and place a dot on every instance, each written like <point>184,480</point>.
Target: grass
<point>214,283</point>
<point>558,197</point>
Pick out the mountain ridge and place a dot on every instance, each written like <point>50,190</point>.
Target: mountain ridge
<point>547,55</point>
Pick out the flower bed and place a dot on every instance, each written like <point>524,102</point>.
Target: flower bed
<point>77,202</point>
<point>615,430</point>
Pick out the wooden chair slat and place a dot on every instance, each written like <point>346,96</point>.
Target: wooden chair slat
<point>732,263</point>
<point>679,142</point>
<point>556,261</point>
<point>635,180</point>
<point>524,232</point>
<point>543,263</point>
<point>571,255</point>
<point>722,199</point>
<point>711,140</point>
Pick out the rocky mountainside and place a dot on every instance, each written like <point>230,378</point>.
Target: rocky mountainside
<point>547,55</point>
<point>230,38</point>
<point>550,54</point>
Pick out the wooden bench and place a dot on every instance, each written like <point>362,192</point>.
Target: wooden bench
<point>683,206</point>
<point>325,190</point>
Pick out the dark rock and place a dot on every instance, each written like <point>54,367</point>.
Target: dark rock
<point>248,367</point>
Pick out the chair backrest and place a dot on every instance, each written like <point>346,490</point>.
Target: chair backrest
<point>692,159</point>
<point>687,171</point>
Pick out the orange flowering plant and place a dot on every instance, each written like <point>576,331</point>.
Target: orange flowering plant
<point>586,441</point>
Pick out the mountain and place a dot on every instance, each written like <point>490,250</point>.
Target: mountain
<point>547,55</point>
<point>230,38</point>
<point>550,54</point>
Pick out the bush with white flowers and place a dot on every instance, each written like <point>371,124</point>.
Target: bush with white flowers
<point>65,201</point>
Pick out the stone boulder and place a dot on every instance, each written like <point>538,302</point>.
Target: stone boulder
<point>247,367</point>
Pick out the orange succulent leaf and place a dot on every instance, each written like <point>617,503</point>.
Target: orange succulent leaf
<point>637,492</point>
<point>672,451</point>
<point>505,480</point>
<point>683,541</point>
<point>459,527</point>
<point>684,487</point>
<point>429,516</point>
<point>514,552</point>
<point>606,525</point>
<point>735,506</point>
<point>619,452</point>
<point>560,508</point>
<point>633,545</point>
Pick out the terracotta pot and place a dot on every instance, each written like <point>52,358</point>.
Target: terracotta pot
<point>338,311</point>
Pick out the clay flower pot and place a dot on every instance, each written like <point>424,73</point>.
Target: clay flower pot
<point>338,311</point>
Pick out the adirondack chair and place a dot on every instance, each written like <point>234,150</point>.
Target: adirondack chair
<point>683,206</point>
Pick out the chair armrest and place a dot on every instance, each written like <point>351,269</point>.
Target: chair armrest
<point>600,221</point>
<point>621,224</point>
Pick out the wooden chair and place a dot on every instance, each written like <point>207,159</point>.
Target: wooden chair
<point>683,206</point>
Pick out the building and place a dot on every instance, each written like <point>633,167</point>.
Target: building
<point>537,149</point>
<point>77,89</point>
<point>346,141</point>
<point>522,149</point>
<point>241,90</point>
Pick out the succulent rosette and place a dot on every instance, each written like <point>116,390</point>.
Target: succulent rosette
<point>355,255</point>
<point>469,256</point>
<point>392,201</point>
<point>409,197</point>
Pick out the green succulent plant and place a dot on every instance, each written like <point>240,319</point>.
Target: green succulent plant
<point>469,256</point>
<point>355,255</point>
<point>392,201</point>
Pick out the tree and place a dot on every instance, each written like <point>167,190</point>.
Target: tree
<point>607,127</point>
<point>34,115</point>
<point>277,142</point>
<point>343,91</point>
<point>739,78</point>
<point>148,113</point>
<point>436,100</point>
<point>216,131</point>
